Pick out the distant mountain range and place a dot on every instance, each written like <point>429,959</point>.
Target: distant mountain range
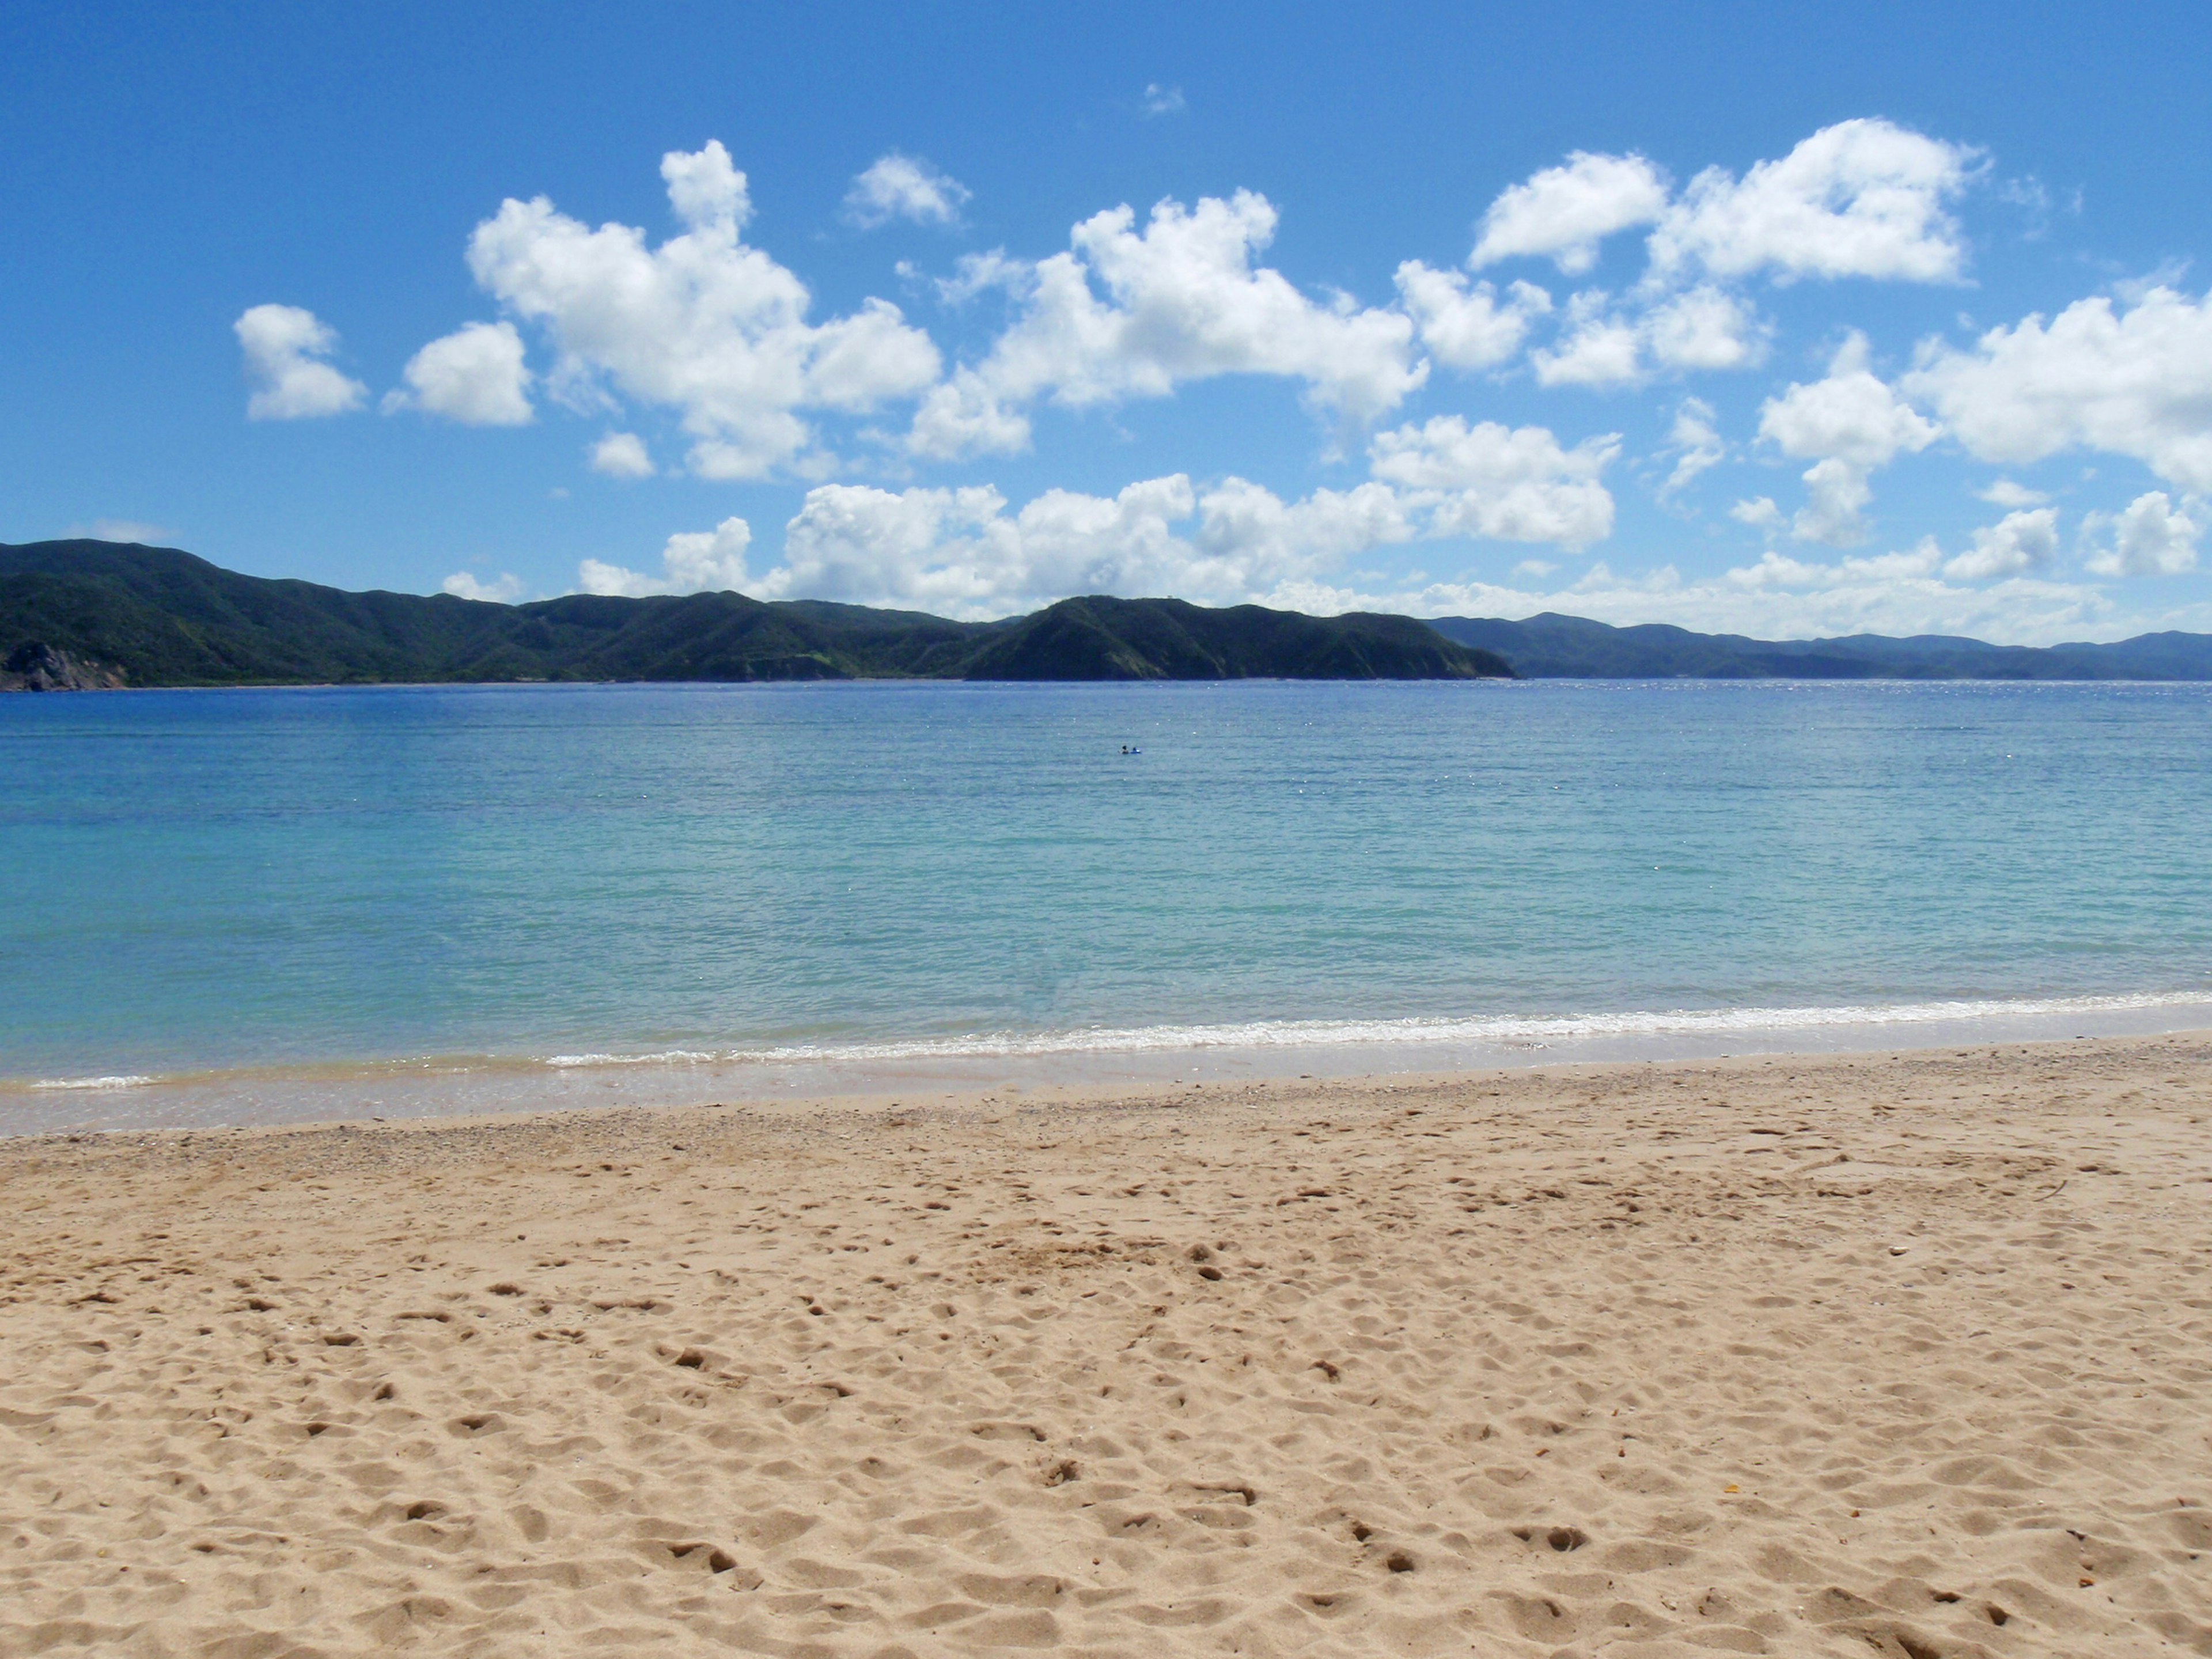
<point>87,614</point>
<point>1552,647</point>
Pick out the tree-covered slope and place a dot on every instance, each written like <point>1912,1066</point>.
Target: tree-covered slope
<point>156,616</point>
<point>161,617</point>
<point>1101,638</point>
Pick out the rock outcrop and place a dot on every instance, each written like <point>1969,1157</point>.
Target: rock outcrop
<point>36,667</point>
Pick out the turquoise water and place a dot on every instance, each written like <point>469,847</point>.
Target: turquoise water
<point>196,881</point>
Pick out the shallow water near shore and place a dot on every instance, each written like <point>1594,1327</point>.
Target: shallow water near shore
<point>274,905</point>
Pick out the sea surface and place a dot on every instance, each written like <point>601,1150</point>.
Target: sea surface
<point>226,906</point>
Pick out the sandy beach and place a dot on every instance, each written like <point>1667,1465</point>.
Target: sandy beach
<point>1904,1354</point>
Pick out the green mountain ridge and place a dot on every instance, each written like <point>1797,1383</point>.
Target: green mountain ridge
<point>1553,646</point>
<point>160,616</point>
<point>88,614</point>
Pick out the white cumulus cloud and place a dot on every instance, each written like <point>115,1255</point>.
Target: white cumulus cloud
<point>1563,213</point>
<point>1517,484</point>
<point>505,589</point>
<point>1851,424</point>
<point>1595,348</point>
<point>1861,198</point>
<point>1851,415</point>
<point>622,455</point>
<point>2149,539</point>
<point>284,348</point>
<point>1781,598</point>
<point>474,376</point>
<point>2135,382</point>
<point>693,561</point>
<point>1779,570</point>
<point>1836,496</point>
<point>1705,328</point>
<point>1468,327</point>
<point>1695,442</point>
<point>2005,493</point>
<point>978,273</point>
<point>898,186</point>
<point>961,552</point>
<point>702,324</point>
<point>1760,513</point>
<point>1180,299</point>
<point>2016,544</point>
<point>965,552</point>
<point>1255,542</point>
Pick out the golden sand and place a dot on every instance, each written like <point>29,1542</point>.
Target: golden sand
<point>1904,1355</point>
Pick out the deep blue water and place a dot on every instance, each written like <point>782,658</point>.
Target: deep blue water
<point>193,880</point>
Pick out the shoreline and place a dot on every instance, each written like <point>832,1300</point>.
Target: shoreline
<point>458,1086</point>
<point>1897,1352</point>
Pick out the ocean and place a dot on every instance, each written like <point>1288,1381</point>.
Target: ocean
<point>259,905</point>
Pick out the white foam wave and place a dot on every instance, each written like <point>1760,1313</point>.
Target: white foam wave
<point>670,1057</point>
<point>1489,1031</point>
<point>1473,1036</point>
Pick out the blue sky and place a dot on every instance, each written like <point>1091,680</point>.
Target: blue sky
<point>1774,320</point>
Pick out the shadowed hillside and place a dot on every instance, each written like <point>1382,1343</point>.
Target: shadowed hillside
<point>1552,647</point>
